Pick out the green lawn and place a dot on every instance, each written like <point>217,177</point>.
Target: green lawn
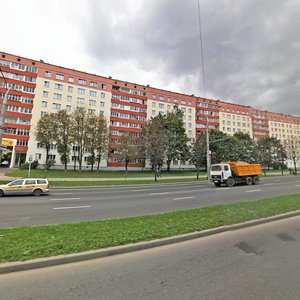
<point>25,243</point>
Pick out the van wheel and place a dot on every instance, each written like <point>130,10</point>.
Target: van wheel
<point>255,180</point>
<point>1,193</point>
<point>248,180</point>
<point>37,192</point>
<point>230,182</point>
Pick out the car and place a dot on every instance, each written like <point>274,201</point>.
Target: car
<point>33,186</point>
<point>4,163</point>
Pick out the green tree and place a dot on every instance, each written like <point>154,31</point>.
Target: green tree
<point>198,152</point>
<point>97,139</point>
<point>292,147</point>
<point>245,149</point>
<point>176,139</point>
<point>155,143</point>
<point>45,134</point>
<point>79,133</point>
<point>63,137</point>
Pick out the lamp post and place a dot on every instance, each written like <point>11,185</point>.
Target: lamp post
<point>207,150</point>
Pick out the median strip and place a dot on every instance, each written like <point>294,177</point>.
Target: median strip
<point>29,242</point>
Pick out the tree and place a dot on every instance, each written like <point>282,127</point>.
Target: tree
<point>198,152</point>
<point>244,148</point>
<point>128,150</point>
<point>155,143</point>
<point>45,134</point>
<point>79,133</point>
<point>97,139</point>
<point>292,147</point>
<point>176,138</point>
<point>63,137</point>
<point>268,151</point>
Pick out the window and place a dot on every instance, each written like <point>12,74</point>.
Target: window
<point>161,105</point>
<point>56,106</point>
<point>80,100</point>
<point>30,181</point>
<point>71,79</point>
<point>45,94</point>
<point>103,86</point>
<point>153,104</point>
<point>190,110</point>
<point>58,86</point>
<point>44,103</point>
<point>69,98</point>
<point>46,84</point>
<point>68,107</point>
<point>70,89</point>
<point>38,156</point>
<point>81,91</point>
<point>82,81</point>
<point>102,95</point>
<point>183,102</point>
<point>92,111</point>
<point>92,102</point>
<point>153,112</point>
<point>161,98</point>
<point>57,96</point>
<point>60,77</point>
<point>102,104</point>
<point>43,113</point>
<point>93,84</point>
<point>93,93</point>
<point>48,74</point>
<point>175,100</point>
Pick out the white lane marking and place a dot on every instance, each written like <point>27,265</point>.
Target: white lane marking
<point>141,190</point>
<point>222,189</point>
<point>63,199</point>
<point>71,207</point>
<point>276,180</point>
<point>251,191</point>
<point>153,194</point>
<point>59,194</point>
<point>297,185</point>
<point>183,198</point>
<point>269,184</point>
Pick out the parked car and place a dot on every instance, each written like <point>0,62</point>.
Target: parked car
<point>34,186</point>
<point>4,163</point>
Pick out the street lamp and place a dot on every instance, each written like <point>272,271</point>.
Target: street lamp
<point>3,112</point>
<point>207,149</point>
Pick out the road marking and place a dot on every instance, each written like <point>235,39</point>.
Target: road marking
<point>153,194</point>
<point>71,207</point>
<point>251,191</point>
<point>59,194</point>
<point>276,180</point>
<point>297,185</point>
<point>141,190</point>
<point>63,199</point>
<point>183,198</point>
<point>268,183</point>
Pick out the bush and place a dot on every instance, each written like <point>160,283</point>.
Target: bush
<point>50,163</point>
<point>25,166</point>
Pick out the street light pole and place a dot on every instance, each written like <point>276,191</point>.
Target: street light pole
<point>207,150</point>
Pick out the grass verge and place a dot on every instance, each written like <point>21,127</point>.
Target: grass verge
<point>23,243</point>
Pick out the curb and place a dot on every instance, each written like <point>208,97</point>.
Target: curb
<point>93,254</point>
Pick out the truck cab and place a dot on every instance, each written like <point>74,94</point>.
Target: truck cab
<point>220,173</point>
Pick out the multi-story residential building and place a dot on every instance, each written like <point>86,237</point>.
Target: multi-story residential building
<point>235,118</point>
<point>37,88</point>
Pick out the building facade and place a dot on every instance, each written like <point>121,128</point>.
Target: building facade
<point>37,88</point>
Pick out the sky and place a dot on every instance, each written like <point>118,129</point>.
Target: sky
<point>251,48</point>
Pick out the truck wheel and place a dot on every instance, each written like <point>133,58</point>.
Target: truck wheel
<point>218,184</point>
<point>230,182</point>
<point>248,180</point>
<point>255,180</point>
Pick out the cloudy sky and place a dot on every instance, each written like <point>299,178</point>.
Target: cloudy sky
<point>251,48</point>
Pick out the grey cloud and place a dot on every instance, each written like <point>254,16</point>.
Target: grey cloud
<point>251,48</point>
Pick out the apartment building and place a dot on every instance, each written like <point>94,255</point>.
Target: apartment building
<point>37,88</point>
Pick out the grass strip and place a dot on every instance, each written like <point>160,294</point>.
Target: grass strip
<point>23,243</point>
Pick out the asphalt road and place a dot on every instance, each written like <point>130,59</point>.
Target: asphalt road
<point>260,262</point>
<point>75,204</point>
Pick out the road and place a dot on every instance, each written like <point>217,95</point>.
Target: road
<point>260,262</point>
<point>69,205</point>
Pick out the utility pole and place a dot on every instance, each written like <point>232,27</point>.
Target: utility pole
<point>207,150</point>
<point>3,113</point>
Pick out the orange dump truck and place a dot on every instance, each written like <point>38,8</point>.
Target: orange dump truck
<point>232,173</point>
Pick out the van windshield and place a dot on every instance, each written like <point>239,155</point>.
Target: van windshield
<point>216,168</point>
